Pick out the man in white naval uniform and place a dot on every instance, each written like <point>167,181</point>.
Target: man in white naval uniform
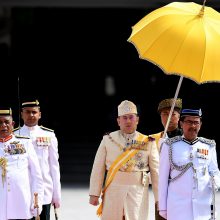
<point>127,156</point>
<point>18,162</point>
<point>46,147</point>
<point>188,167</point>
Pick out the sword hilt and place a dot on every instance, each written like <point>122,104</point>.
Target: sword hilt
<point>55,212</point>
<point>36,206</point>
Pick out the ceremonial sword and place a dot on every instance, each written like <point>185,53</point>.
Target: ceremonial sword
<point>213,199</point>
<point>55,212</point>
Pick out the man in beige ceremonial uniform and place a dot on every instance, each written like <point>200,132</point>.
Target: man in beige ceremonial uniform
<point>46,147</point>
<point>126,155</point>
<point>18,163</point>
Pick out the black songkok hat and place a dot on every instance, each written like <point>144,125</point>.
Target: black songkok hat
<point>167,103</point>
<point>5,111</point>
<point>30,104</point>
<point>191,112</point>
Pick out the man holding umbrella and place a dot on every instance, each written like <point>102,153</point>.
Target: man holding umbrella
<point>163,109</point>
<point>173,129</point>
<point>189,173</point>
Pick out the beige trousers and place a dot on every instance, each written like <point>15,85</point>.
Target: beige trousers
<point>126,196</point>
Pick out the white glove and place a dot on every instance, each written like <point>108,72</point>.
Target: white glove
<point>163,213</point>
<point>217,182</point>
<point>34,210</point>
<point>56,203</point>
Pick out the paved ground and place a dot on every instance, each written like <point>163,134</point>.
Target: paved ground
<point>75,205</point>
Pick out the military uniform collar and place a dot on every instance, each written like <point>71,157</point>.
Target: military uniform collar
<point>6,139</point>
<point>191,142</point>
<point>31,128</point>
<point>174,133</point>
<point>128,136</point>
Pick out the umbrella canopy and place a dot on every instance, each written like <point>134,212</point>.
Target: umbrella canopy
<point>182,38</point>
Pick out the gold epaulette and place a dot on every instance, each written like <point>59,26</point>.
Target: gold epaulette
<point>46,129</point>
<point>15,129</point>
<point>19,136</point>
<point>106,133</point>
<point>151,138</point>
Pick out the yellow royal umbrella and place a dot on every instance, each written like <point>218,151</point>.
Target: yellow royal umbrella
<point>181,38</point>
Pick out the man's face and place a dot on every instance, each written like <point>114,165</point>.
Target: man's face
<point>6,126</point>
<point>191,126</point>
<point>31,116</point>
<point>173,121</point>
<point>128,123</point>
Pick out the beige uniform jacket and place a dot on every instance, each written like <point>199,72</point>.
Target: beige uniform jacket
<point>126,194</point>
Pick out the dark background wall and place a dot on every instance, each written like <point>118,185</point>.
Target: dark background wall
<point>65,56</point>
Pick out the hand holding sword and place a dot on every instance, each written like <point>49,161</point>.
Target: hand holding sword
<point>55,212</point>
<point>213,198</point>
<point>36,206</point>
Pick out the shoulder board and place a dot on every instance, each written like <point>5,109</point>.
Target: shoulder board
<point>172,140</point>
<point>207,141</point>
<point>151,138</point>
<point>159,134</point>
<point>19,136</point>
<point>15,129</point>
<point>46,129</point>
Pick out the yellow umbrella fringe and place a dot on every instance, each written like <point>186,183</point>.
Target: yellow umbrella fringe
<point>173,73</point>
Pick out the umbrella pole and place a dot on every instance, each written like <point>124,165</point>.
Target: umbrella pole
<point>173,104</point>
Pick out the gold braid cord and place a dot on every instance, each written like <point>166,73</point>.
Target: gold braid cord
<point>3,165</point>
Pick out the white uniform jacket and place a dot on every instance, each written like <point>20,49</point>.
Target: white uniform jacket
<point>188,195</point>
<point>126,194</point>
<point>46,147</point>
<point>16,191</point>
